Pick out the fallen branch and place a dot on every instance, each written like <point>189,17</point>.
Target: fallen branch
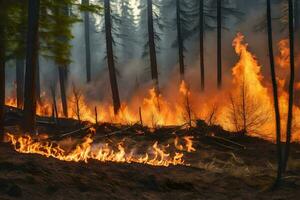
<point>114,132</point>
<point>70,133</point>
<point>228,141</point>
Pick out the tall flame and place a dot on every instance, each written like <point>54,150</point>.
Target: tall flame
<point>247,102</point>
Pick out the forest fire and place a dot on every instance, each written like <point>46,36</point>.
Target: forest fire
<point>247,104</point>
<point>87,150</point>
<point>149,99</point>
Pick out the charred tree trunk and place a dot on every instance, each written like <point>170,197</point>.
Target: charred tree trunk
<point>62,85</point>
<point>31,65</point>
<point>201,31</point>
<point>110,58</point>
<point>291,87</point>
<point>87,42</point>
<point>152,48</point>
<point>53,94</point>
<point>180,40</point>
<point>297,15</point>
<point>38,82</point>
<point>20,82</point>
<point>2,82</point>
<point>219,43</point>
<point>275,94</point>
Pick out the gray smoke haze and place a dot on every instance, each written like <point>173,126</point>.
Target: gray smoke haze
<point>134,72</point>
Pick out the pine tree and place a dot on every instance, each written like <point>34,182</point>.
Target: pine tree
<point>152,47</point>
<point>180,40</point>
<point>275,93</point>
<point>2,66</point>
<point>110,57</point>
<point>20,52</point>
<point>87,41</point>
<point>56,35</point>
<point>291,86</point>
<point>219,43</point>
<point>201,41</point>
<point>127,30</point>
<point>31,63</point>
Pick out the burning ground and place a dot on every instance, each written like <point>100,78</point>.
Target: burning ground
<point>222,165</point>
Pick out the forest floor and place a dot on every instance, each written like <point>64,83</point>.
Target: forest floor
<point>218,170</point>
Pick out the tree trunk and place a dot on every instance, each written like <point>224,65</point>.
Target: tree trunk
<point>152,48</point>
<point>110,58</point>
<point>62,85</point>
<point>201,30</point>
<point>31,65</point>
<point>2,85</point>
<point>291,87</point>
<point>275,94</point>
<point>180,40</point>
<point>219,43</point>
<point>38,82</point>
<point>297,15</point>
<point>20,82</point>
<point>53,94</point>
<point>87,42</point>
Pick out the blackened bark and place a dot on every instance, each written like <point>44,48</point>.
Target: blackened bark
<point>291,87</point>
<point>87,42</point>
<point>275,94</point>
<point>2,85</point>
<point>31,65</point>
<point>297,15</point>
<point>38,82</point>
<point>62,84</point>
<point>53,94</point>
<point>201,30</point>
<point>219,43</point>
<point>110,58</point>
<point>152,48</point>
<point>180,40</point>
<point>20,68</point>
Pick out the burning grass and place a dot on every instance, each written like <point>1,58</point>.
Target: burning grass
<point>86,149</point>
<point>216,170</point>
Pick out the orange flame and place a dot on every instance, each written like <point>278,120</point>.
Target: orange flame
<point>187,104</point>
<point>86,150</point>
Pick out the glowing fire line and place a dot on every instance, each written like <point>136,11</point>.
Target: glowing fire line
<point>86,150</point>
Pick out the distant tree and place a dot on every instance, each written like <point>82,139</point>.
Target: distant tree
<point>87,41</point>
<point>20,81</point>
<point>127,29</point>
<point>151,43</point>
<point>31,63</point>
<point>3,19</point>
<point>20,52</point>
<point>210,15</point>
<point>219,43</point>
<point>275,94</point>
<point>110,57</point>
<point>180,39</point>
<point>201,39</point>
<point>291,85</point>
<point>59,44</point>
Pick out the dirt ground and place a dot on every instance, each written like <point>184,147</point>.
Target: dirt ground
<point>215,172</point>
